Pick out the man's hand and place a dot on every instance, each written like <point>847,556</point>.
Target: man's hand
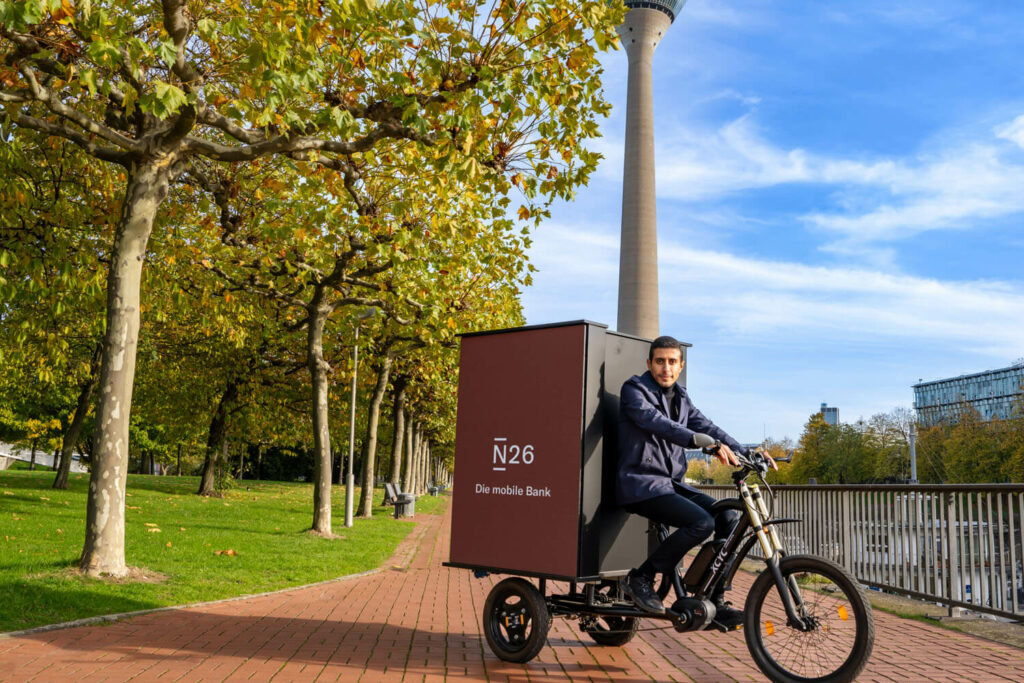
<point>726,456</point>
<point>769,458</point>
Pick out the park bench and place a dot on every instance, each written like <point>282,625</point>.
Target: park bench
<point>390,497</point>
<point>404,503</point>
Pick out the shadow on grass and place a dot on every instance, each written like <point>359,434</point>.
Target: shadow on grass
<point>41,600</point>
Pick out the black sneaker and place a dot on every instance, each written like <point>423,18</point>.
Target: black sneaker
<point>728,617</point>
<point>641,590</point>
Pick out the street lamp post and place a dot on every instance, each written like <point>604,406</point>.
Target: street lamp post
<point>913,454</point>
<point>350,480</point>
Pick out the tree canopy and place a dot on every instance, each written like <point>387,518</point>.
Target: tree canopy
<point>281,166</point>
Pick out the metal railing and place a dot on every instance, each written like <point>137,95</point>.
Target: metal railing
<point>960,545</point>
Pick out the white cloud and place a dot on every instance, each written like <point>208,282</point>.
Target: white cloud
<point>1013,131</point>
<point>950,186</point>
<point>786,300</point>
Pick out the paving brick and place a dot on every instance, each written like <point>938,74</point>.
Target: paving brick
<point>418,621</point>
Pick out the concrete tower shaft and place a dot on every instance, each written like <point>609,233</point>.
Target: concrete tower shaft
<point>640,33</point>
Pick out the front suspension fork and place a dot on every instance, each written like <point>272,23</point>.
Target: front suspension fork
<point>771,545</point>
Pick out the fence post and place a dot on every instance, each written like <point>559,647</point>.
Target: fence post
<point>953,548</point>
<point>847,530</point>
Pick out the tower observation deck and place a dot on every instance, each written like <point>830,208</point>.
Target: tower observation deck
<point>669,7</point>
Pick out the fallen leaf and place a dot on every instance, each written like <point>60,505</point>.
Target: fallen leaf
<point>181,528</point>
<point>168,544</point>
<point>8,493</point>
<point>151,524</point>
<point>154,531</point>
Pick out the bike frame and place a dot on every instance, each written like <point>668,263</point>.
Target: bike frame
<point>754,526</point>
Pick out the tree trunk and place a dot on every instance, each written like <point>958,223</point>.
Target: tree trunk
<point>241,462</point>
<point>422,478</point>
<point>365,506</point>
<point>425,465</point>
<point>318,369</point>
<point>103,551</point>
<point>215,438</point>
<point>418,476</point>
<point>259,462</point>
<point>74,430</point>
<point>178,471</point>
<point>32,458</point>
<point>410,431</point>
<point>417,449</point>
<point>398,414</point>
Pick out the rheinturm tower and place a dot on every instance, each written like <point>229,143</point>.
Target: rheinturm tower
<point>645,24</point>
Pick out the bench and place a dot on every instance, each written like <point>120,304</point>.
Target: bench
<point>404,503</point>
<point>390,496</point>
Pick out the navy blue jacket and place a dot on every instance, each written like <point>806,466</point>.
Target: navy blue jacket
<point>651,444</point>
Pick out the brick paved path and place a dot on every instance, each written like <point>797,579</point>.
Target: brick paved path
<point>418,621</point>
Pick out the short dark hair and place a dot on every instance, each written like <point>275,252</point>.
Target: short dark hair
<point>664,342</point>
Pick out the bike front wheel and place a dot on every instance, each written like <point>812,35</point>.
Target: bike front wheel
<point>837,632</point>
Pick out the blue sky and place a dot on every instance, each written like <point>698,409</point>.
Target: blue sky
<point>840,204</point>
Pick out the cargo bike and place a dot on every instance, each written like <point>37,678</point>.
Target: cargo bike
<point>535,456</point>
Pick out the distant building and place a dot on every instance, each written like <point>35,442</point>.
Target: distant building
<point>991,393</point>
<point>830,413</point>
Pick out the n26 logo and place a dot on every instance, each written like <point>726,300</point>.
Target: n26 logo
<point>506,454</point>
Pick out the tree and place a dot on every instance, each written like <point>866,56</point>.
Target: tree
<point>155,88</point>
<point>54,236</point>
<point>887,438</point>
<point>809,461</point>
<point>398,435</point>
<point>973,449</point>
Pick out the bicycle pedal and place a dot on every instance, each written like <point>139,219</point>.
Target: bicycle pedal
<point>723,628</point>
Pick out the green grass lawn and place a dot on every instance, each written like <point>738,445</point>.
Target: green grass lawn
<point>171,531</point>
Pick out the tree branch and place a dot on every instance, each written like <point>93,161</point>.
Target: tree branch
<point>295,145</point>
<point>49,98</point>
<point>110,154</point>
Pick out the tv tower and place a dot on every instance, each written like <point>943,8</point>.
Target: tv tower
<point>645,23</point>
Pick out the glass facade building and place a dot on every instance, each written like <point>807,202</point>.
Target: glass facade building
<point>669,7</point>
<point>991,393</point>
<point>830,413</point>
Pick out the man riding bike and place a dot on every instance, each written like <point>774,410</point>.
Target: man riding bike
<point>657,422</point>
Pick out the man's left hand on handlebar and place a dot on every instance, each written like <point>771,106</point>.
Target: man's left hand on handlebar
<point>771,461</point>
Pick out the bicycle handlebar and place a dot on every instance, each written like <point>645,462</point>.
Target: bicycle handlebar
<point>756,462</point>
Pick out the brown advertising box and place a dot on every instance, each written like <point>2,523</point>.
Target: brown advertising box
<point>535,452</point>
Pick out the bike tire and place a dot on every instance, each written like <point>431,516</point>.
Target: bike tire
<point>835,650</point>
<point>608,630</point>
<point>516,620</point>
<point>612,631</point>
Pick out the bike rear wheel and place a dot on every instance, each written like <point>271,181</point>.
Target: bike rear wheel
<point>840,629</point>
<point>605,629</point>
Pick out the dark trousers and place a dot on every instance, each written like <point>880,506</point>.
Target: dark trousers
<point>687,511</point>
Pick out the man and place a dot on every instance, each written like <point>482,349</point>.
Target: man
<point>657,422</point>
